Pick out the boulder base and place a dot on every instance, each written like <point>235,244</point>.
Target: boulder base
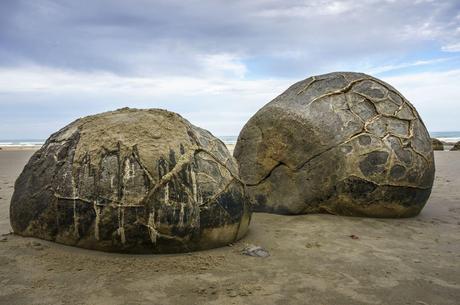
<point>139,181</point>
<point>340,143</point>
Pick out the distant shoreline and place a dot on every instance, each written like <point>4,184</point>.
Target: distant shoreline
<point>449,138</point>
<point>19,147</point>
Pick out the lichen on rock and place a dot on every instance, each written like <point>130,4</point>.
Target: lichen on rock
<point>341,143</point>
<point>139,181</point>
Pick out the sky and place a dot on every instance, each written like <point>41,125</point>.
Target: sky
<point>215,62</point>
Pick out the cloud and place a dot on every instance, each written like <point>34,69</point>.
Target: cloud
<point>175,37</point>
<point>452,47</point>
<point>49,98</point>
<point>434,94</point>
<point>387,68</point>
<point>36,79</point>
<point>214,61</point>
<point>222,64</point>
<point>308,9</point>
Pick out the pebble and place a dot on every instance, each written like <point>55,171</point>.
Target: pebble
<point>255,251</point>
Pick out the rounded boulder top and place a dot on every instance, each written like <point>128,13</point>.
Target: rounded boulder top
<point>341,143</point>
<point>436,144</point>
<point>456,147</point>
<point>130,180</point>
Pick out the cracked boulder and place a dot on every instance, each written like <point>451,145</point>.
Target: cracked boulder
<point>339,143</point>
<point>137,181</point>
<point>437,144</point>
<point>456,147</point>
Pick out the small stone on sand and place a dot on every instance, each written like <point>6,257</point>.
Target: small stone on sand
<point>255,251</point>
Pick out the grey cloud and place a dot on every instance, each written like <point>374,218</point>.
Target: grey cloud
<point>148,44</point>
<point>288,38</point>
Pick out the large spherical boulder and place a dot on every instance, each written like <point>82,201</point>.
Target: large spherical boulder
<point>139,181</point>
<point>340,143</point>
<point>456,147</point>
<point>437,144</point>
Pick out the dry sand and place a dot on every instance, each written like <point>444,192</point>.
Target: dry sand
<point>313,260</point>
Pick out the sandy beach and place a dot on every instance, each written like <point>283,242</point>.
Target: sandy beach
<point>313,259</point>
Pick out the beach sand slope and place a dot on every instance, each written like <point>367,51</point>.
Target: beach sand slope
<point>314,259</point>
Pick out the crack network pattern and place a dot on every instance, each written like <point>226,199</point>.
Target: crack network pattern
<point>328,130</point>
<point>132,181</point>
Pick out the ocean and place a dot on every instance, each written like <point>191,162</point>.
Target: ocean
<point>22,142</point>
<point>446,136</point>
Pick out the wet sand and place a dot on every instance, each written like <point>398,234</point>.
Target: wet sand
<point>313,260</point>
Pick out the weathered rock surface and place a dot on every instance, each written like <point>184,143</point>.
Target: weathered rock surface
<point>340,143</point>
<point>456,147</point>
<point>436,144</point>
<point>139,181</point>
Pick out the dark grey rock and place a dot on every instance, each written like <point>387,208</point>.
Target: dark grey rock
<point>456,147</point>
<point>139,181</point>
<point>437,144</point>
<point>341,143</point>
